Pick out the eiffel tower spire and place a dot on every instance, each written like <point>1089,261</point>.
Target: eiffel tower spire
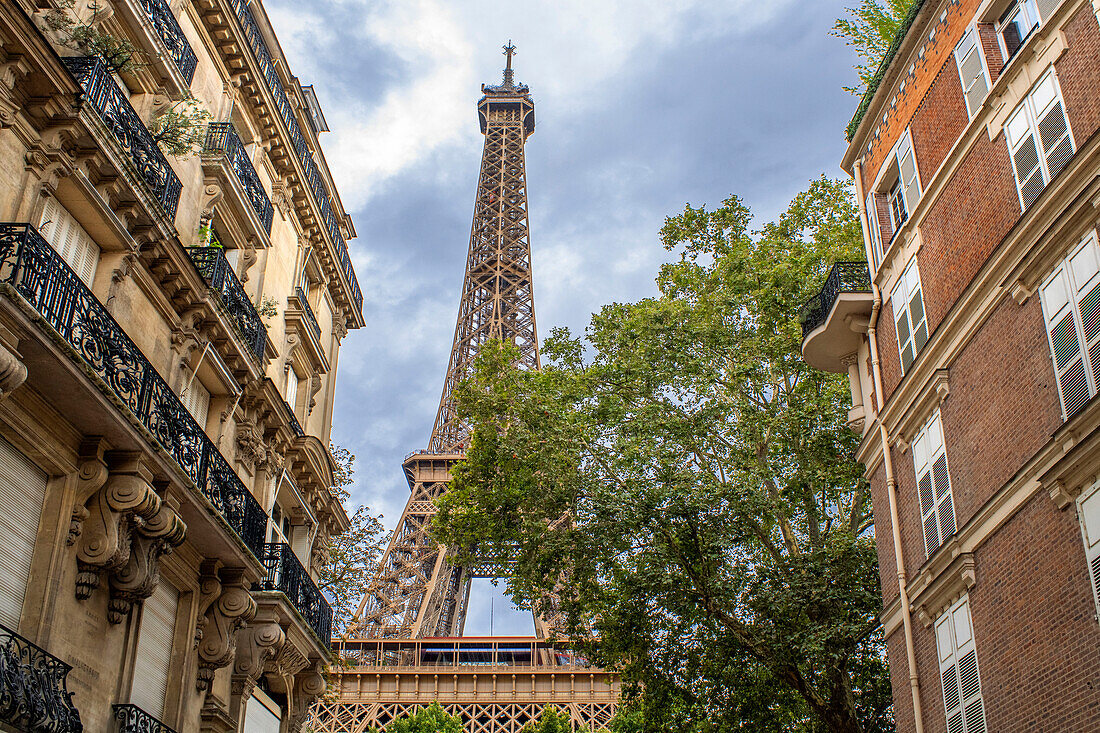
<point>417,591</point>
<point>497,299</point>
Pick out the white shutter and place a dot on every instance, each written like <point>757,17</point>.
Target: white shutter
<point>962,690</point>
<point>874,231</point>
<point>292,390</point>
<point>933,485</point>
<point>971,62</point>
<point>909,317</point>
<point>258,715</point>
<point>907,170</point>
<point>196,398</point>
<point>22,492</point>
<point>1047,8</point>
<point>1071,308</point>
<point>1052,125</point>
<point>1088,509</point>
<point>69,240</point>
<point>154,650</point>
<point>1025,157</point>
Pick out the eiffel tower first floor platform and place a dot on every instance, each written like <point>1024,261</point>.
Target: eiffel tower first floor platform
<point>495,684</point>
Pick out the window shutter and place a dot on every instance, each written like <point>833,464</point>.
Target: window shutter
<point>1088,509</point>
<point>962,691</point>
<point>907,169</point>
<point>1047,8</point>
<point>1054,135</point>
<point>933,485</point>
<point>968,56</point>
<point>1025,158</point>
<point>68,238</point>
<point>874,231</point>
<point>196,398</point>
<point>1071,308</point>
<point>154,650</point>
<point>292,390</point>
<point>22,492</point>
<point>258,716</point>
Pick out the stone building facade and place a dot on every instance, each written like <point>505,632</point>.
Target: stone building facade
<point>169,335</point>
<point>971,346</point>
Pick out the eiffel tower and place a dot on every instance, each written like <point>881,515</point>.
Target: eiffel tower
<point>404,647</point>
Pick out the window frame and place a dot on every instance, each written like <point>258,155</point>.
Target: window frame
<point>875,231</point>
<point>1014,7</point>
<point>929,449</point>
<point>1026,109</point>
<point>946,631</point>
<point>911,337</point>
<point>892,186</point>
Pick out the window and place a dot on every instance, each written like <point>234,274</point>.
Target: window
<point>962,689</point>
<point>1088,509</point>
<point>972,71</point>
<point>1038,123</point>
<point>1016,25</point>
<point>874,231</point>
<point>933,485</point>
<point>292,389</point>
<point>22,492</point>
<point>262,714</point>
<point>1071,309</point>
<point>69,240</point>
<point>195,397</point>
<point>153,659</point>
<point>905,193</point>
<point>912,327</point>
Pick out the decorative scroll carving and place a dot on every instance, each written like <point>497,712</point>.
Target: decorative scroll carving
<point>257,645</point>
<point>308,686</point>
<point>225,606</point>
<point>314,388</point>
<point>127,500</point>
<point>137,579</point>
<point>91,476</point>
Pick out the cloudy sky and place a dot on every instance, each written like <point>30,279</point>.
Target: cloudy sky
<point>641,106</point>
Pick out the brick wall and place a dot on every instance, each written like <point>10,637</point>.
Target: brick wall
<point>939,121</point>
<point>884,539</point>
<point>1077,74</point>
<point>1037,637</point>
<point>1003,404</point>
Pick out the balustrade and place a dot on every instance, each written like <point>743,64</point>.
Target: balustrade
<point>112,106</point>
<point>222,138</point>
<point>308,313</point>
<point>132,719</point>
<point>219,275</point>
<point>844,277</point>
<point>33,690</point>
<point>39,275</point>
<point>285,573</point>
<point>301,150</point>
<point>168,28</point>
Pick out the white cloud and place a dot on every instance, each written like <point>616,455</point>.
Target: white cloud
<point>566,49</point>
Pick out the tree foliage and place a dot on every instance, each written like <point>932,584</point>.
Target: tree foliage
<point>79,28</point>
<point>353,555</point>
<point>552,720</point>
<point>432,719</point>
<point>180,127</point>
<point>870,30</point>
<point>717,539</point>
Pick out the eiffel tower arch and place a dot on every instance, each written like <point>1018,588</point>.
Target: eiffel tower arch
<point>404,648</point>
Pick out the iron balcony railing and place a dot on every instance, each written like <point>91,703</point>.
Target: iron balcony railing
<point>293,419</point>
<point>219,275</point>
<point>308,312</point>
<point>298,142</point>
<point>132,719</point>
<point>222,138</point>
<point>38,274</point>
<point>844,277</point>
<point>168,28</point>
<point>285,573</point>
<point>103,94</point>
<point>33,692</point>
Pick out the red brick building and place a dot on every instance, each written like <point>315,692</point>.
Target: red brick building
<point>974,355</point>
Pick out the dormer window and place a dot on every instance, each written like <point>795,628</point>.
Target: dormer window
<point>1016,25</point>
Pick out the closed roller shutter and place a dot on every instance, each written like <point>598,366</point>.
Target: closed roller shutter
<point>154,650</point>
<point>22,491</point>
<point>69,239</point>
<point>258,715</point>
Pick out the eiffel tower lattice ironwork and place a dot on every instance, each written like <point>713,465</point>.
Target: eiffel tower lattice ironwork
<point>401,649</point>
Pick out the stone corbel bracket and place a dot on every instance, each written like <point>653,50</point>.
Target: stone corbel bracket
<point>90,477</point>
<point>137,579</point>
<point>126,502</point>
<point>309,684</point>
<point>225,606</point>
<point>257,645</point>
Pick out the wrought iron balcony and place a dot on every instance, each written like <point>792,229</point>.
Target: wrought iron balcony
<point>308,312</point>
<point>293,419</point>
<point>132,719</point>
<point>103,94</point>
<point>215,269</point>
<point>844,277</point>
<point>301,150</point>
<point>168,28</point>
<point>221,137</point>
<point>285,573</point>
<point>38,274</point>
<point>33,692</point>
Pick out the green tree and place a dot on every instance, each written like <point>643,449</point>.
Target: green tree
<point>870,30</point>
<point>719,537</point>
<point>81,29</point>
<point>552,720</point>
<point>180,127</point>
<point>353,555</point>
<point>432,719</point>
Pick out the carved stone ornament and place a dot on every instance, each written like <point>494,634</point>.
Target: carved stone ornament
<point>250,444</point>
<point>91,475</point>
<point>314,388</point>
<point>126,501</point>
<point>257,645</point>
<point>308,686</point>
<point>225,606</point>
<point>137,579</point>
